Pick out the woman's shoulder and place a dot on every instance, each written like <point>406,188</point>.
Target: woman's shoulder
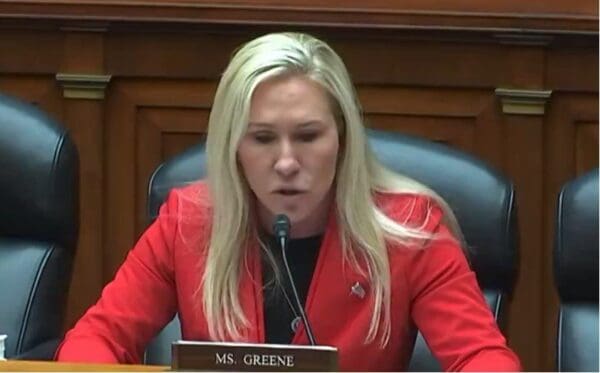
<point>421,212</point>
<point>185,218</point>
<point>415,210</point>
<point>189,205</point>
<point>198,188</point>
<point>194,195</point>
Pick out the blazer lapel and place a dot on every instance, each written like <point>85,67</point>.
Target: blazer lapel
<point>251,296</point>
<point>330,295</point>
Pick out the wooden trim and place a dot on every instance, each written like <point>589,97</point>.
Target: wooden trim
<point>83,86</point>
<point>495,16</point>
<point>521,101</point>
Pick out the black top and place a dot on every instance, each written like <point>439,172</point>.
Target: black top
<point>279,313</point>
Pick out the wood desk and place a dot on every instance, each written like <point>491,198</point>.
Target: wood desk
<point>53,366</point>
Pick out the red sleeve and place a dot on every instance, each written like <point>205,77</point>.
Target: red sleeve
<point>135,305</point>
<point>449,308</point>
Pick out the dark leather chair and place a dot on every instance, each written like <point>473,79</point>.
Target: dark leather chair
<point>576,274</point>
<point>38,228</point>
<point>482,199</point>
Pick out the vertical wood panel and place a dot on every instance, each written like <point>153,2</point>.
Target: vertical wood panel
<point>586,157</point>
<point>84,118</point>
<point>162,132</point>
<point>82,52</point>
<point>564,159</point>
<point>132,144</point>
<point>434,113</point>
<point>119,218</point>
<point>524,164</point>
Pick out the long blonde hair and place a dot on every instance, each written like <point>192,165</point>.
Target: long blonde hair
<point>364,228</point>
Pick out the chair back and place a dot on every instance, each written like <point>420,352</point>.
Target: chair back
<point>576,274</point>
<point>482,199</point>
<point>39,220</point>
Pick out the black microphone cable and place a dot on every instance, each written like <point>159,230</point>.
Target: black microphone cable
<point>281,229</point>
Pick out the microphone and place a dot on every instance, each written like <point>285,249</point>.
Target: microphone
<point>281,230</point>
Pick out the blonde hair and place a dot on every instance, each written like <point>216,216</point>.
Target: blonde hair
<point>364,228</point>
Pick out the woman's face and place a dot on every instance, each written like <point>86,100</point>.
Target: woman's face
<point>289,153</point>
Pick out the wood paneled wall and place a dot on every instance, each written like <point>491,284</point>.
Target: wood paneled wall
<point>474,75</point>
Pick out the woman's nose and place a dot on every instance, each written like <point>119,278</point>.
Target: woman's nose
<point>287,162</point>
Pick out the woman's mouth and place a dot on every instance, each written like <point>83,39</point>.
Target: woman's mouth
<point>289,192</point>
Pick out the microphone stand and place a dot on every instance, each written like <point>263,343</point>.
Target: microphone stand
<point>282,228</point>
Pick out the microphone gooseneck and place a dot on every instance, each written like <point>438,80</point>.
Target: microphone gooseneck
<point>281,230</point>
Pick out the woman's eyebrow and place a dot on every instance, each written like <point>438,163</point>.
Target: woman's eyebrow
<point>267,125</point>
<point>260,125</point>
<point>314,122</point>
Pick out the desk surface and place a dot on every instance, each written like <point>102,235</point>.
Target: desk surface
<point>53,366</point>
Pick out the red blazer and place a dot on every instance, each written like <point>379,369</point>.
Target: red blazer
<point>433,289</point>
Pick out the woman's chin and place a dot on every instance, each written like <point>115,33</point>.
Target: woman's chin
<point>305,220</point>
<point>305,225</point>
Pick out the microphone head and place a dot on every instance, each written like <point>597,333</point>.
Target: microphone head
<point>281,226</point>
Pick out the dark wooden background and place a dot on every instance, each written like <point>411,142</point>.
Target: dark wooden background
<point>430,68</point>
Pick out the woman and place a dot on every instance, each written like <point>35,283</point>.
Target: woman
<point>286,137</point>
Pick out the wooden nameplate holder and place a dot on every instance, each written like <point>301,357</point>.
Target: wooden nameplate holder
<point>241,357</point>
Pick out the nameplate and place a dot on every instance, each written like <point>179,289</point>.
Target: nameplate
<point>241,357</point>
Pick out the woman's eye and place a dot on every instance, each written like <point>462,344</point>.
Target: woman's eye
<point>263,138</point>
<point>308,137</point>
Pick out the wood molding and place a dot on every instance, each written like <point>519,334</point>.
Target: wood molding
<point>520,38</point>
<point>83,86</point>
<point>517,16</point>
<point>522,101</point>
